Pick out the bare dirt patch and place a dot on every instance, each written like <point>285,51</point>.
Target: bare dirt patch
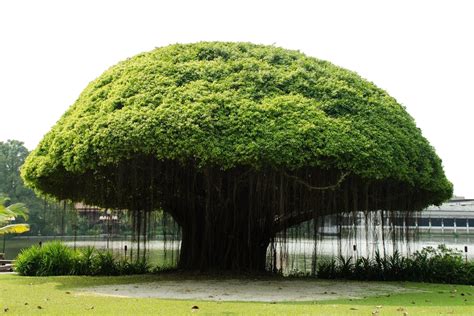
<point>248,290</point>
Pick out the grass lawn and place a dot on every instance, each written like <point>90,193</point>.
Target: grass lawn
<point>57,296</point>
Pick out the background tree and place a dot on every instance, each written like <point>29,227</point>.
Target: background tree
<point>12,156</point>
<point>44,215</point>
<point>237,142</point>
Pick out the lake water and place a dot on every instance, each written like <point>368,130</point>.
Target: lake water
<point>299,252</point>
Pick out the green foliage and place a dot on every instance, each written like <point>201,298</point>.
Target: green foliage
<point>442,264</point>
<point>230,105</point>
<point>135,267</point>
<point>11,213</point>
<point>12,156</point>
<point>55,258</point>
<point>437,265</point>
<point>327,269</point>
<point>51,259</point>
<point>105,264</point>
<point>30,261</point>
<point>84,261</point>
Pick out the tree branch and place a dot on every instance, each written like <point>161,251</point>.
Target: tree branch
<point>311,187</point>
<point>291,219</point>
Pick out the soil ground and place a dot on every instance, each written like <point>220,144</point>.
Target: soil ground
<point>248,290</point>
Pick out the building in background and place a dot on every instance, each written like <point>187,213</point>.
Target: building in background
<point>455,215</point>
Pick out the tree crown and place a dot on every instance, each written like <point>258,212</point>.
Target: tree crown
<point>237,104</point>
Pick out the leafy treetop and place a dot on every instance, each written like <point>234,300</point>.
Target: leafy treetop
<point>237,104</point>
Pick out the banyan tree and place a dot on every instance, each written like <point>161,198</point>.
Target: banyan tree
<point>236,142</point>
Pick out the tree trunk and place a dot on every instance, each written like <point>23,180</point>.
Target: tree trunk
<point>215,245</point>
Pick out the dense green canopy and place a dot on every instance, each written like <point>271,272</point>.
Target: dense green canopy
<point>230,105</point>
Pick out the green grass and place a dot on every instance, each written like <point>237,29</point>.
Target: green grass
<point>57,296</point>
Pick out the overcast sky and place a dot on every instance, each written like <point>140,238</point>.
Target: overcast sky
<point>421,52</point>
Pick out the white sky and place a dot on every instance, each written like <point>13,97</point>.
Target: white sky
<point>421,52</point>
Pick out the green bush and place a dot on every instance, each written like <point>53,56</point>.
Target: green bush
<point>162,269</point>
<point>327,269</point>
<point>344,267</point>
<point>29,261</point>
<point>134,267</point>
<point>55,258</point>
<point>83,263</point>
<point>440,265</point>
<point>52,259</point>
<point>104,263</point>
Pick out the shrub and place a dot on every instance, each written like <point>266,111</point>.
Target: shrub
<point>344,267</point>
<point>363,269</point>
<point>129,267</point>
<point>396,267</point>
<point>162,269</point>
<point>327,269</point>
<point>52,259</point>
<point>29,261</point>
<point>441,264</point>
<point>83,263</point>
<point>104,263</point>
<point>55,258</point>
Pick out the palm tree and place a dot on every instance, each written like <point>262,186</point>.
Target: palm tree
<point>9,214</point>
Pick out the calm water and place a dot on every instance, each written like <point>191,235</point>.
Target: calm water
<point>155,249</point>
<point>299,251</point>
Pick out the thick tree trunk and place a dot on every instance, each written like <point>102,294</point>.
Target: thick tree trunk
<point>215,246</point>
<point>228,218</point>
